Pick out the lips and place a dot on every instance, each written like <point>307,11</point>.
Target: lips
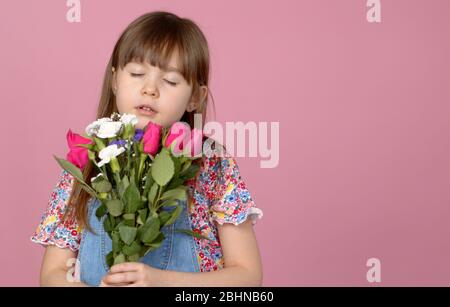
<point>146,107</point>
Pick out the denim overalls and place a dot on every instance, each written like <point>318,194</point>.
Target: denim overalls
<point>177,251</point>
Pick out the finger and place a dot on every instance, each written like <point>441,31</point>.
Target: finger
<point>120,278</point>
<point>105,284</point>
<point>125,267</point>
<point>134,284</point>
<point>119,285</point>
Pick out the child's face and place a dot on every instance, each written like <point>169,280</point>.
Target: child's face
<point>166,92</point>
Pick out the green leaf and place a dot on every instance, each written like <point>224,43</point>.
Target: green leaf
<point>128,223</point>
<point>178,193</point>
<point>192,233</point>
<point>116,244</point>
<point>148,181</point>
<point>191,172</point>
<point>89,190</point>
<point>101,185</point>
<point>113,220</point>
<point>107,225</point>
<point>177,166</point>
<point>91,155</point>
<point>76,173</point>
<point>88,146</point>
<point>156,242</point>
<point>115,207</point>
<point>174,215</point>
<point>120,258</point>
<point>152,193</point>
<point>183,159</point>
<point>129,216</point>
<point>163,168</point>
<point>101,211</point>
<point>110,259</point>
<point>120,224</point>
<point>131,198</point>
<point>132,249</point>
<point>175,183</point>
<point>132,175</point>
<point>185,166</point>
<point>123,184</point>
<point>150,230</point>
<point>133,258</point>
<point>125,181</point>
<point>71,168</point>
<point>164,216</point>
<point>142,202</point>
<point>169,203</point>
<point>99,143</point>
<point>127,234</point>
<point>142,216</point>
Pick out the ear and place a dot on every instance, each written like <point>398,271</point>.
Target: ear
<point>114,80</point>
<point>197,100</point>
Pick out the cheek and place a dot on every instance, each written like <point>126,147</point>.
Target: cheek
<point>126,96</point>
<point>174,106</point>
<point>121,103</point>
<point>126,86</point>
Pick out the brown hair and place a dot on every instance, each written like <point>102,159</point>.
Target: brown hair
<point>152,37</point>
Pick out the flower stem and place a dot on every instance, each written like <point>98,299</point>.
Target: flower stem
<point>141,164</point>
<point>136,165</point>
<point>158,198</point>
<point>129,154</point>
<point>103,170</point>
<point>115,165</point>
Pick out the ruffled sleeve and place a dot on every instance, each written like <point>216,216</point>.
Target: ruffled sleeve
<point>231,201</point>
<point>52,230</point>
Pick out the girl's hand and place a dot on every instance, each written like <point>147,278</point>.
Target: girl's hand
<point>132,274</point>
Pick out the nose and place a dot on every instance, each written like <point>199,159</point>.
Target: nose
<point>150,89</point>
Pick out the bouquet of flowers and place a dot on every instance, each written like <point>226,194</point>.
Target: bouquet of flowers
<point>141,171</point>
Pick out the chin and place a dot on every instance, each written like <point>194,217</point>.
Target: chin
<point>143,122</point>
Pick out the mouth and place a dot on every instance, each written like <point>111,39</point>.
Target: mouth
<point>146,110</point>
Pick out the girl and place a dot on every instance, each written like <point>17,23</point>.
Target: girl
<point>159,71</point>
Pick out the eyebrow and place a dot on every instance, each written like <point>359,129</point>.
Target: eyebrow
<point>174,69</point>
<point>168,69</point>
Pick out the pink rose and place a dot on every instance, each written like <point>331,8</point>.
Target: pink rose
<point>187,141</point>
<point>151,138</point>
<point>77,155</point>
<point>179,133</point>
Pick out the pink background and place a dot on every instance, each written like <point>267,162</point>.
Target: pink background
<point>364,131</point>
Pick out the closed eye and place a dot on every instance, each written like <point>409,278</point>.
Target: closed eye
<point>171,83</point>
<point>140,75</point>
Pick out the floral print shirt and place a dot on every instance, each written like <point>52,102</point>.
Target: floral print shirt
<point>217,195</point>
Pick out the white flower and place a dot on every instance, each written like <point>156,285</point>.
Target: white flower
<point>93,178</point>
<point>109,129</point>
<point>129,119</point>
<point>109,152</point>
<point>93,127</point>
